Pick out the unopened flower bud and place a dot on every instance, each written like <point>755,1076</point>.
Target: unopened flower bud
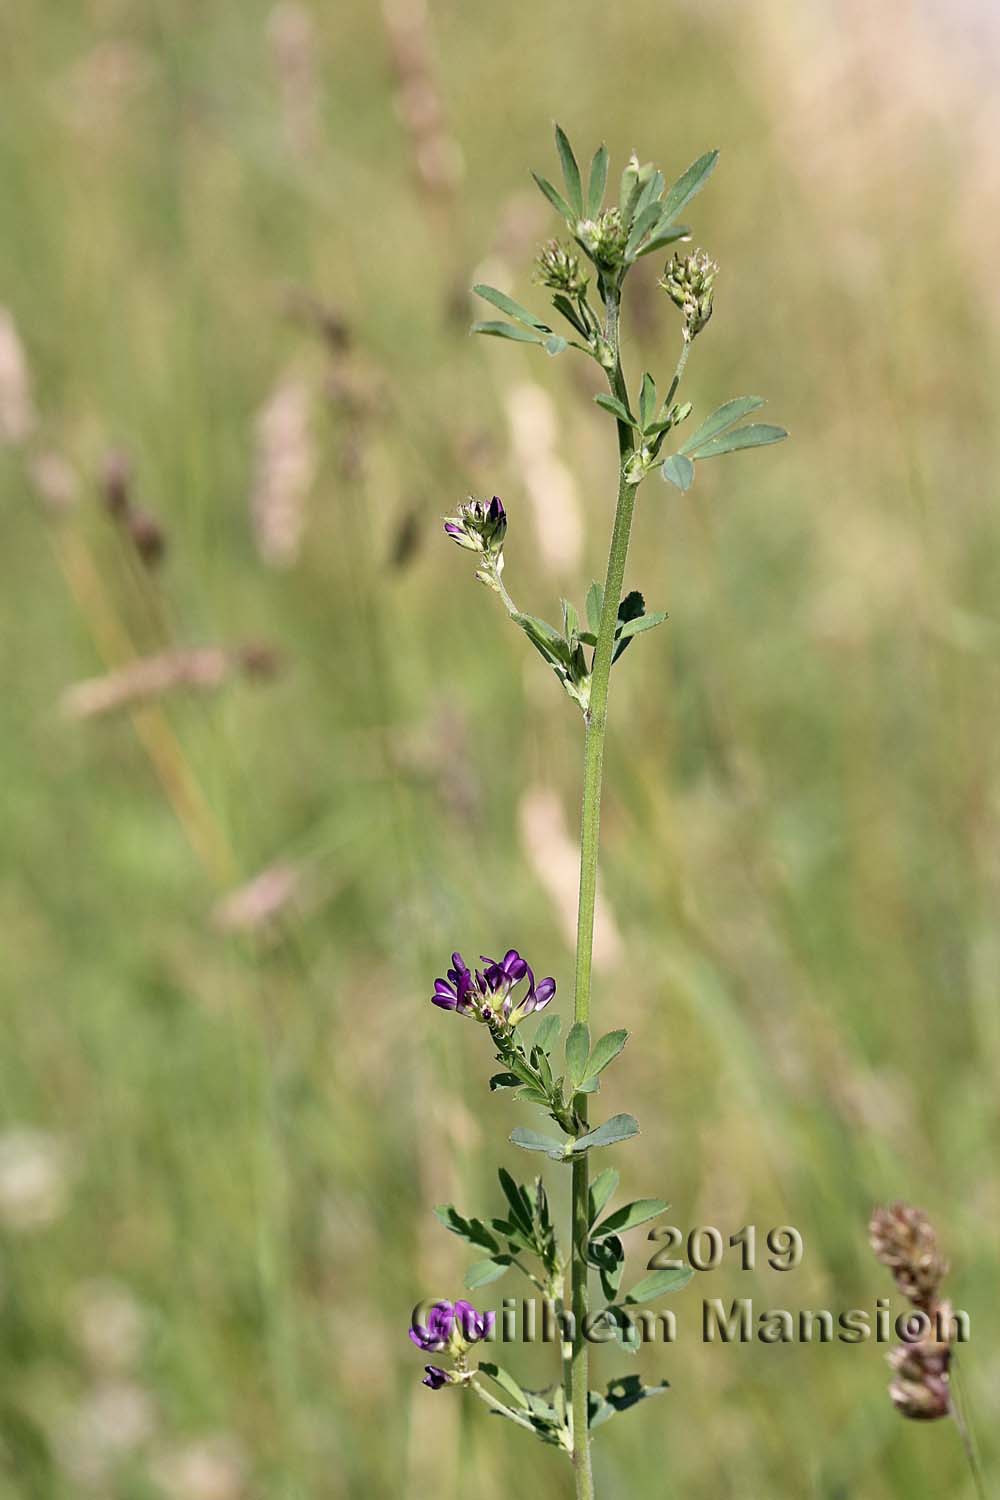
<point>604,238</point>
<point>560,270</point>
<point>689,281</point>
<point>479,526</point>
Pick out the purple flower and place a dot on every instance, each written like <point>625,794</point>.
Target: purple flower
<point>479,527</point>
<point>437,1333</point>
<point>474,1325</point>
<point>435,1377</point>
<point>453,993</point>
<point>452,1326</point>
<point>489,996</point>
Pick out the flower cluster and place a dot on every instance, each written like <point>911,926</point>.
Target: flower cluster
<point>488,994</point>
<point>560,270</point>
<point>689,281</point>
<point>479,527</point>
<point>905,1240</point>
<point>451,1328</point>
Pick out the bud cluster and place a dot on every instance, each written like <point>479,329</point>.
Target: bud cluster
<point>559,269</point>
<point>905,1240</point>
<point>689,281</point>
<point>604,238</point>
<point>480,527</point>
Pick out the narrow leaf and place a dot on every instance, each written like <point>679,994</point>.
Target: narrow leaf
<point>473,1230</point>
<point>757,435</point>
<point>504,1081</point>
<point>482,1272</point>
<point>690,182</point>
<point>533,1096</point>
<point>628,1217</point>
<point>647,400</point>
<point>598,181</point>
<point>516,1196</point>
<point>506,1382</point>
<point>562,304</point>
<point>556,344</point>
<point>658,1282</point>
<point>514,331</point>
<point>618,1128</point>
<point>679,471</point>
<point>645,622</point>
<point>555,198</point>
<point>577,1052</point>
<point>601,1189</point>
<point>649,216</point>
<point>663,235</point>
<point>724,416</point>
<point>616,407</point>
<point>509,306</point>
<point>650,193</point>
<point>595,603</point>
<point>607,1049</point>
<point>571,172</point>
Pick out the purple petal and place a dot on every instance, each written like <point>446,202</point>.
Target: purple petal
<point>544,990</point>
<point>435,1377</point>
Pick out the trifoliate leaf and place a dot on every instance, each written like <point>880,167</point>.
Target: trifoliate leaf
<point>724,416</point>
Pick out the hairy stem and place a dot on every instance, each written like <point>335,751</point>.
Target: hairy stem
<point>590,824</point>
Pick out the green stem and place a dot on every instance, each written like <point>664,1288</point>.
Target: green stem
<point>500,1409</point>
<point>593,770</point>
<point>962,1420</point>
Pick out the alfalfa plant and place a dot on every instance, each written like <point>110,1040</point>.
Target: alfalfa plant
<point>585,277</point>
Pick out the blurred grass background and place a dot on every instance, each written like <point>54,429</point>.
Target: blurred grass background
<point>236,244</point>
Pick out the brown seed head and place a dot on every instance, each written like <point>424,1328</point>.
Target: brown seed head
<point>904,1239</point>
<point>920,1387</point>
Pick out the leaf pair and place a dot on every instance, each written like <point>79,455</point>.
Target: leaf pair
<point>526,330</point>
<point>618,1128</point>
<point>719,434</point>
<point>573,207</point>
<point>584,1063</point>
